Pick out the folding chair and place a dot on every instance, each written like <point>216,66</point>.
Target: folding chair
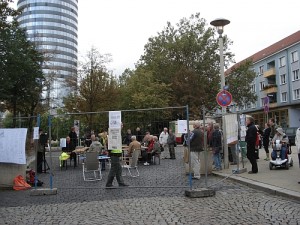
<point>130,163</point>
<point>91,165</point>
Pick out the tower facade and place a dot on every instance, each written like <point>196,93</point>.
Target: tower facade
<point>52,25</point>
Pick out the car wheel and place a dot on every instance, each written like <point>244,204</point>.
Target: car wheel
<point>270,166</point>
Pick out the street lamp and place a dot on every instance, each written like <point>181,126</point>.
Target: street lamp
<point>219,24</point>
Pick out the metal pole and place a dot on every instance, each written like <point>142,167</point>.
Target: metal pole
<point>189,147</point>
<point>205,146</point>
<point>226,162</point>
<point>49,145</point>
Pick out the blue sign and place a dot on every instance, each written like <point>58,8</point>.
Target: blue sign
<point>224,98</point>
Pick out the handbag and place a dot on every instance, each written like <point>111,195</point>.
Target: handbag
<point>162,148</point>
<point>175,144</point>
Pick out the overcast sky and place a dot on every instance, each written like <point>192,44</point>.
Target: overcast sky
<point>122,27</point>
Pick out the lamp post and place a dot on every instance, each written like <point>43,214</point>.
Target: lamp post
<point>219,24</point>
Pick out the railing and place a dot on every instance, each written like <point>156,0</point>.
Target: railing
<point>270,72</point>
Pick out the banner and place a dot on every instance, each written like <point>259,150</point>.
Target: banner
<point>12,145</point>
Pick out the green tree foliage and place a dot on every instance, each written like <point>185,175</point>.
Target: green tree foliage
<point>186,58</point>
<point>140,90</point>
<point>98,90</point>
<point>6,12</point>
<point>239,79</point>
<point>21,73</point>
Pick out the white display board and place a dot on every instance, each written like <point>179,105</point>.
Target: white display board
<point>182,126</point>
<point>114,138</point>
<point>231,128</point>
<point>115,119</point>
<point>12,145</point>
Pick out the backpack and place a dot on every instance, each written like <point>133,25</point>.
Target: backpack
<point>20,183</point>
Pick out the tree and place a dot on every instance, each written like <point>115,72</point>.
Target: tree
<point>239,79</point>
<point>6,13</point>
<point>186,58</point>
<point>21,71</point>
<point>98,90</point>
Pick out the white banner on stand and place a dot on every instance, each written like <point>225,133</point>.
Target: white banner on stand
<point>12,145</point>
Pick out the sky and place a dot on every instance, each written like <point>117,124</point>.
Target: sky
<point>122,27</point>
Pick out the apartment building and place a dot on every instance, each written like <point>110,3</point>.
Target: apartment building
<point>277,83</point>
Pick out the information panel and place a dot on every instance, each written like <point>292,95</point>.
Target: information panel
<point>231,128</point>
<point>12,145</point>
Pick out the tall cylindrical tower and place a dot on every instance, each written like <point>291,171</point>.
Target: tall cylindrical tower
<point>53,25</point>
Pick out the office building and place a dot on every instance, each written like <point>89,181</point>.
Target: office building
<point>53,25</point>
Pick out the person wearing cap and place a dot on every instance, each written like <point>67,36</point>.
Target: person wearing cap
<point>281,136</point>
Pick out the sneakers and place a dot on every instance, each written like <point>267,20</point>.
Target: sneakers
<point>267,159</point>
<point>123,185</point>
<point>146,164</point>
<point>109,185</point>
<point>196,177</point>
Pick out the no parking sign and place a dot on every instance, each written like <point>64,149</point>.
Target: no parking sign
<point>224,98</point>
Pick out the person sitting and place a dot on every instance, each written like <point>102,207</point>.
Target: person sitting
<point>149,150</point>
<point>69,149</point>
<point>134,144</point>
<point>281,136</point>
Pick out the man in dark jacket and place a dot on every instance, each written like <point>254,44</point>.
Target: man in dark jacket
<point>196,146</point>
<point>251,140</point>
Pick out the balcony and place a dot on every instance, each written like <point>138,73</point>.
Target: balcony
<point>271,88</point>
<point>273,105</point>
<point>269,73</point>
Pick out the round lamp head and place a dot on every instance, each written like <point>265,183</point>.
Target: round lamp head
<point>219,24</point>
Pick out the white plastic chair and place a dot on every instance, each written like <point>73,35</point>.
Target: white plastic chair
<point>91,166</point>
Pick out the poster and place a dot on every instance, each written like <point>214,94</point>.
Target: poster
<point>231,124</point>
<point>114,119</point>
<point>36,134</point>
<point>114,138</point>
<point>63,143</point>
<point>12,145</point>
<point>182,126</point>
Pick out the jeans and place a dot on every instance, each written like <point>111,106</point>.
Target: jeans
<point>282,154</point>
<point>217,160</point>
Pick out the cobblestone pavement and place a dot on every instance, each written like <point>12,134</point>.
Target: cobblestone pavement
<point>156,197</point>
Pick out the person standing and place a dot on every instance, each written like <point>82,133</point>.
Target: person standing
<point>69,149</point>
<point>115,169</point>
<point>138,134</point>
<point>196,146</point>
<point>251,140</point>
<point>297,141</point>
<point>73,137</point>
<point>216,144</point>
<point>163,139</point>
<point>171,144</point>
<point>273,127</point>
<point>266,140</point>
<point>134,151</point>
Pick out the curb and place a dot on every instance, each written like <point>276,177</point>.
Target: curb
<point>271,189</point>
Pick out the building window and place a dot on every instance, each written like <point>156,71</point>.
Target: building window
<point>253,88</point>
<point>297,94</point>
<point>262,102</point>
<point>261,70</point>
<point>295,56</point>
<point>261,85</point>
<point>283,79</point>
<point>296,75</point>
<point>253,105</point>
<point>282,61</point>
<point>284,97</point>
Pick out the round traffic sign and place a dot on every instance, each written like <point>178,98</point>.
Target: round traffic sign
<point>224,98</point>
